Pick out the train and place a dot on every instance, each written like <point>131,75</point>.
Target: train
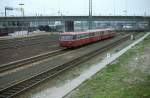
<point>76,39</point>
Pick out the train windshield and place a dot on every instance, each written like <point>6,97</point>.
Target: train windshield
<point>67,37</point>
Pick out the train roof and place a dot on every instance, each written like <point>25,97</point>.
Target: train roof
<point>74,33</point>
<point>86,32</point>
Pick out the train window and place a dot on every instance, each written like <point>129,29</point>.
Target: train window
<point>87,35</point>
<point>99,33</point>
<point>96,33</point>
<point>79,36</point>
<point>102,32</point>
<point>105,32</point>
<point>67,37</point>
<point>91,34</point>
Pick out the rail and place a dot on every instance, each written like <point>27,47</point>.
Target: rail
<point>19,63</point>
<point>34,80</point>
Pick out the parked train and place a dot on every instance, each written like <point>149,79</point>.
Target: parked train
<point>75,39</point>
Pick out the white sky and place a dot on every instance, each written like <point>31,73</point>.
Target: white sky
<point>79,7</point>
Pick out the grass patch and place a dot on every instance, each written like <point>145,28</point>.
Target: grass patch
<point>119,80</point>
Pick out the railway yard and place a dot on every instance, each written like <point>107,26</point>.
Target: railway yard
<point>30,65</point>
<point>19,48</point>
<point>77,49</point>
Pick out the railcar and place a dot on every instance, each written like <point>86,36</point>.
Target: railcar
<point>75,39</point>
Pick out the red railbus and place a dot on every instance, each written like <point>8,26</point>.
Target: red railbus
<point>75,39</point>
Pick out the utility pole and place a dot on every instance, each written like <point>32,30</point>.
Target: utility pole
<point>144,21</point>
<point>114,5</point>
<point>60,13</point>
<point>5,12</point>
<point>22,9</point>
<point>90,14</point>
<point>134,29</point>
<point>114,22</point>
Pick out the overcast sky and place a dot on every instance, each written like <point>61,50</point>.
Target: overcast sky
<point>78,7</point>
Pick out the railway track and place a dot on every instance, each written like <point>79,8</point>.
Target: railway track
<point>8,46</point>
<point>23,62</point>
<point>14,43</point>
<point>31,41</point>
<point>16,89</point>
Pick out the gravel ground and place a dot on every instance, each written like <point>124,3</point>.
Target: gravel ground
<point>19,75</point>
<point>47,43</point>
<point>44,89</point>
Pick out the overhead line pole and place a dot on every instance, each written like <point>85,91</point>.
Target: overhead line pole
<point>5,12</point>
<point>90,14</point>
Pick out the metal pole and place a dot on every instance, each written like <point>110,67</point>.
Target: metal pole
<point>134,23</point>
<point>114,5</point>
<point>22,9</point>
<point>62,22</point>
<point>5,12</point>
<point>89,7</point>
<point>90,14</point>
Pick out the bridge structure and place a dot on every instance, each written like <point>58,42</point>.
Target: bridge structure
<point>67,20</point>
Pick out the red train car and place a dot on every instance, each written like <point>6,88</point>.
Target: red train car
<point>75,39</point>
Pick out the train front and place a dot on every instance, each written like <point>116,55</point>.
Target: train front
<point>67,39</point>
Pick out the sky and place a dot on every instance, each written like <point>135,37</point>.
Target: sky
<point>78,7</point>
